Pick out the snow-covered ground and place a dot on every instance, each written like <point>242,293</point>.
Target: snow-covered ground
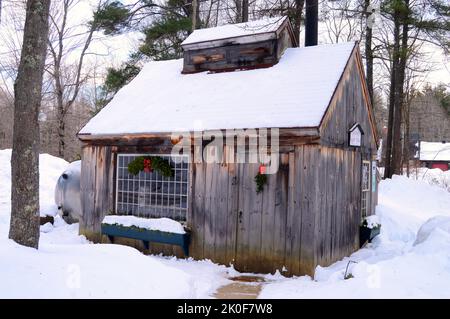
<point>390,267</point>
<point>68,266</point>
<point>51,168</point>
<point>432,176</point>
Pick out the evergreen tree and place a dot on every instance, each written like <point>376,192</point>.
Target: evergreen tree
<point>421,20</point>
<point>164,26</point>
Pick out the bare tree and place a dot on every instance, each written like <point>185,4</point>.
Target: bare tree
<point>24,225</point>
<point>291,8</point>
<point>342,20</point>
<point>67,81</point>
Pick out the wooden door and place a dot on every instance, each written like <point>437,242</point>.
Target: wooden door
<point>261,220</point>
<point>248,235</point>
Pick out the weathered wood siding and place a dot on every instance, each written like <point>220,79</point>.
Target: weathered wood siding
<point>307,214</point>
<point>97,188</point>
<point>349,105</point>
<point>231,57</point>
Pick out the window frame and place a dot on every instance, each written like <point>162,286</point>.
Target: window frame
<point>365,191</point>
<point>183,213</point>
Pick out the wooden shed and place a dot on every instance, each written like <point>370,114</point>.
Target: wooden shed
<point>308,213</point>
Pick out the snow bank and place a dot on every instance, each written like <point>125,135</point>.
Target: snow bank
<point>439,222</point>
<point>372,221</point>
<point>433,176</point>
<point>392,266</point>
<point>49,171</point>
<point>87,271</point>
<point>405,204</point>
<point>161,224</point>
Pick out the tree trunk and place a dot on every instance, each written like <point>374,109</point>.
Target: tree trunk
<point>403,55</point>
<point>244,10</point>
<point>61,132</point>
<point>298,19</point>
<point>238,11</point>
<point>60,109</point>
<point>406,144</point>
<point>369,52</point>
<point>392,97</point>
<point>194,14</point>
<point>24,225</point>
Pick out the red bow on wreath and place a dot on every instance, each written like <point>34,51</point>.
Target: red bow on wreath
<point>148,165</point>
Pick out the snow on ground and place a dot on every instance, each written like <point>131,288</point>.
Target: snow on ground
<point>68,266</point>
<point>433,176</point>
<point>390,267</point>
<point>51,169</point>
<point>393,266</point>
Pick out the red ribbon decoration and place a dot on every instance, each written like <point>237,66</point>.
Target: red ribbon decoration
<point>147,165</point>
<point>262,169</point>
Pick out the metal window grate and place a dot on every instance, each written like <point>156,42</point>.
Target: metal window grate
<point>365,187</point>
<point>152,195</point>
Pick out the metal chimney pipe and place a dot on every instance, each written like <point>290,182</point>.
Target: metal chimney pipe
<point>311,22</point>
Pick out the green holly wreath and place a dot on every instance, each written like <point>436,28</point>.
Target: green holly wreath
<point>260,180</point>
<point>150,163</point>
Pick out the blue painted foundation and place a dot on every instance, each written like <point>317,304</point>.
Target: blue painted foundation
<point>147,236</point>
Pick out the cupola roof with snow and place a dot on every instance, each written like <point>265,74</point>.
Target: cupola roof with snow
<point>246,45</point>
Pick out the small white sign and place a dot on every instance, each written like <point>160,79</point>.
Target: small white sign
<point>355,138</point>
<point>355,135</point>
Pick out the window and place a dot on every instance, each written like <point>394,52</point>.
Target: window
<point>365,187</point>
<point>152,195</point>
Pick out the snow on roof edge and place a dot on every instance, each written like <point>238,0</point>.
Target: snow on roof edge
<point>434,151</point>
<point>228,31</point>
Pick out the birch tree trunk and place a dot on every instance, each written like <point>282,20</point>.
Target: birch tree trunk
<point>24,225</point>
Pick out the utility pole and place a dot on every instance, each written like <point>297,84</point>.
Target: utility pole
<point>244,10</point>
<point>311,22</point>
<point>194,14</point>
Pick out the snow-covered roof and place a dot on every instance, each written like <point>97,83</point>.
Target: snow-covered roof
<point>266,25</point>
<point>434,151</point>
<point>293,93</point>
